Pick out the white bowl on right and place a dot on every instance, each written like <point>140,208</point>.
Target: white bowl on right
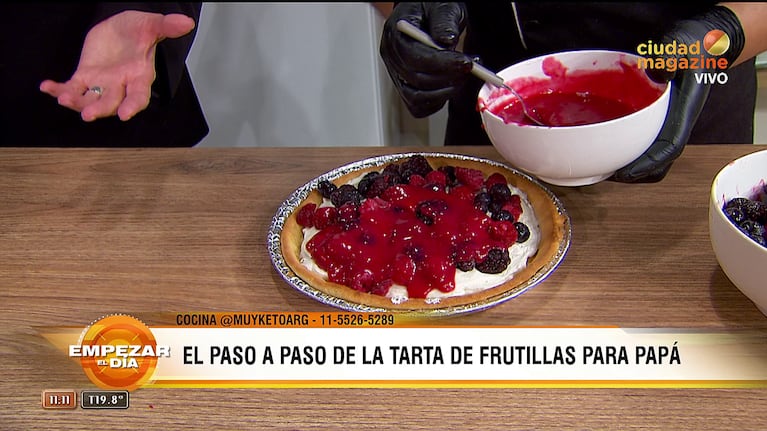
<point>741,258</point>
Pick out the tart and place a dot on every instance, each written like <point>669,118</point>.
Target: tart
<point>543,212</point>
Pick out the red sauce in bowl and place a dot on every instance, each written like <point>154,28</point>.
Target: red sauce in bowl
<point>574,98</point>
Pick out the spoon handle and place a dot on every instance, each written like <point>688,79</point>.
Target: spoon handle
<point>477,69</point>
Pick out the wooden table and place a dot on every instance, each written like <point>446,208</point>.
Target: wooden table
<point>85,233</point>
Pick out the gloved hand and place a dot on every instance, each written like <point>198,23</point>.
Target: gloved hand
<point>425,77</point>
<point>687,95</point>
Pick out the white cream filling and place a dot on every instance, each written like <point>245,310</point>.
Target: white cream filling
<point>465,282</point>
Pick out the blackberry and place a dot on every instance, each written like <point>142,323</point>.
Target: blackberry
<point>523,232</point>
<point>395,174</point>
<point>753,229</point>
<point>496,261</point>
<point>325,188</point>
<point>500,193</point>
<point>429,211</point>
<point>415,165</point>
<point>449,172</point>
<point>752,209</point>
<point>735,215</point>
<point>482,201</point>
<point>378,185</point>
<point>345,194</point>
<point>367,181</point>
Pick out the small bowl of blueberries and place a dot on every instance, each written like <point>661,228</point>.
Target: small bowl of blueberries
<point>737,216</point>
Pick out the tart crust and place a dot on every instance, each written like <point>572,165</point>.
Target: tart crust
<point>552,223</point>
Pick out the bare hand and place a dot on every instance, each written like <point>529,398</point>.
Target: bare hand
<point>118,57</point>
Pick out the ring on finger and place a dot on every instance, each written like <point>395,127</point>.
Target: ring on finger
<point>95,89</point>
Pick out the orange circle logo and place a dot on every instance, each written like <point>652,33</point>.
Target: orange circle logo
<point>118,352</point>
<point>716,42</point>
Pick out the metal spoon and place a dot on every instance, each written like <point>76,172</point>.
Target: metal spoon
<point>477,69</point>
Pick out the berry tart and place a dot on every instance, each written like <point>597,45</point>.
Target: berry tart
<point>423,232</point>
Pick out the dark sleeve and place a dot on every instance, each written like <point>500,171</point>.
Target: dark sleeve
<point>171,53</point>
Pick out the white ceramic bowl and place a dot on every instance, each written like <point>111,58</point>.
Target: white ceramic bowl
<point>741,258</point>
<point>573,155</point>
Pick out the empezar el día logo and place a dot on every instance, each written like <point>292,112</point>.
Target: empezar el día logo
<point>704,57</point>
<point>118,352</point>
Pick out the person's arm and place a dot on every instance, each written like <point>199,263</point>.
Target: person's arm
<point>171,53</point>
<point>753,19</point>
<point>743,23</point>
<point>120,58</point>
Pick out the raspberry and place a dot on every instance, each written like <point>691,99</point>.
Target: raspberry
<point>404,269</point>
<point>504,232</point>
<point>496,261</point>
<point>463,193</point>
<point>363,281</point>
<point>325,217</point>
<point>382,287</point>
<point>440,271</point>
<point>494,178</point>
<point>305,216</point>
<point>472,178</point>
<point>394,194</point>
<point>437,177</point>
<point>515,211</point>
<point>417,180</point>
<point>325,188</point>
<point>372,204</point>
<point>346,193</point>
<point>348,213</point>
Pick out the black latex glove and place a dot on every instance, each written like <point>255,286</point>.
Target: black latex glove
<point>426,77</point>
<point>687,96</point>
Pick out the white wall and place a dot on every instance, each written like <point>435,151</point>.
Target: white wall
<point>293,74</point>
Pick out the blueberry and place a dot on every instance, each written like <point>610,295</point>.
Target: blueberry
<point>523,232</point>
<point>502,215</point>
<point>482,201</point>
<point>465,266</point>
<point>500,193</point>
